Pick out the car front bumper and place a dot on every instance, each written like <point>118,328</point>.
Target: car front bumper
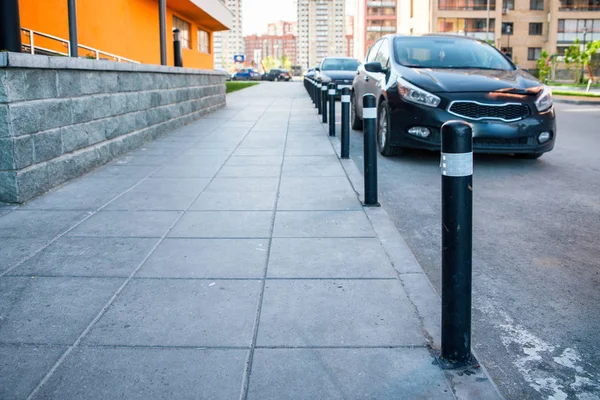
<point>489,136</point>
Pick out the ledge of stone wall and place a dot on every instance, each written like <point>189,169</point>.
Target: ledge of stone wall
<point>61,117</point>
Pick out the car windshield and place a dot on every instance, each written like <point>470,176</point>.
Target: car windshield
<point>340,64</point>
<point>451,52</point>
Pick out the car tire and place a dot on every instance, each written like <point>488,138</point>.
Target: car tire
<point>357,123</point>
<point>529,156</point>
<point>384,132</point>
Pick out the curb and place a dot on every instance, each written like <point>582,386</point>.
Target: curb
<point>466,383</point>
<point>577,101</point>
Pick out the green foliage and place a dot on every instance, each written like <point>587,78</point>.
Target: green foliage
<point>576,58</point>
<point>575,94</point>
<point>269,63</point>
<point>233,86</point>
<point>544,67</point>
<point>286,63</point>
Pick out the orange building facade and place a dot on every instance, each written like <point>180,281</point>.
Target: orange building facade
<point>128,28</point>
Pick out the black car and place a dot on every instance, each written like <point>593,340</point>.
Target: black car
<point>277,74</point>
<point>420,82</point>
<point>339,70</point>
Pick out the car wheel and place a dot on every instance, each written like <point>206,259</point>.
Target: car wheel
<point>529,156</point>
<point>357,123</point>
<point>384,132</point>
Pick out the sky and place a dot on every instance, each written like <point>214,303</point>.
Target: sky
<point>257,14</point>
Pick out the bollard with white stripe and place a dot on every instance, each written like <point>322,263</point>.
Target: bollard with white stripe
<point>457,237</point>
<point>324,102</point>
<point>332,93</point>
<point>318,97</point>
<point>370,148</point>
<point>346,122</point>
<point>313,92</point>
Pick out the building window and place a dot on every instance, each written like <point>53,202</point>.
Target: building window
<point>466,5</point>
<point>184,31</point>
<point>508,5</point>
<point>507,28</point>
<point>535,28</point>
<point>534,53</point>
<point>571,29</point>
<point>536,4</point>
<point>203,41</point>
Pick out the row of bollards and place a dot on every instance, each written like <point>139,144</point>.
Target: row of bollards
<point>457,209</point>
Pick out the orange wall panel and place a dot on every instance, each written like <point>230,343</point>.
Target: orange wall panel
<point>127,28</point>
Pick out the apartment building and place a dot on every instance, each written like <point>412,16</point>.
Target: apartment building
<point>349,36</point>
<point>321,30</point>
<point>281,28</point>
<point>227,44</point>
<point>522,28</point>
<point>258,47</point>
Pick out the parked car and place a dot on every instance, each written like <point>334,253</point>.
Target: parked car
<point>340,70</point>
<point>420,82</point>
<point>310,73</point>
<point>277,74</point>
<point>246,74</point>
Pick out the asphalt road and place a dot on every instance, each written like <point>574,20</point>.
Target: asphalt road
<point>536,255</point>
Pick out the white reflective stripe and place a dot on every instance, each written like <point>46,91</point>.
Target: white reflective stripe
<point>370,113</point>
<point>344,86</point>
<point>324,87</point>
<point>346,98</point>
<point>331,91</point>
<point>457,164</point>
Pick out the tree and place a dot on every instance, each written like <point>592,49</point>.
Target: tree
<point>269,63</point>
<point>544,68</point>
<point>575,57</point>
<point>286,63</point>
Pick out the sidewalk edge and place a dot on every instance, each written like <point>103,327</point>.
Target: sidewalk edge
<point>470,383</point>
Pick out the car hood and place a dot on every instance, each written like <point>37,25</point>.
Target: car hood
<point>471,80</point>
<point>337,75</point>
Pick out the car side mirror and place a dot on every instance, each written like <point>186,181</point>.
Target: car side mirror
<point>317,69</point>
<point>375,67</point>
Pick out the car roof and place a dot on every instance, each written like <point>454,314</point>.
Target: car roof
<point>435,35</point>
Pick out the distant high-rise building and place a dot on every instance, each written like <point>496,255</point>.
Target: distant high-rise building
<point>349,36</point>
<point>321,30</point>
<point>374,19</point>
<point>259,47</point>
<point>227,44</point>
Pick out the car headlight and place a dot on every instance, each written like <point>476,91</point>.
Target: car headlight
<point>544,99</point>
<point>414,94</point>
<point>325,79</point>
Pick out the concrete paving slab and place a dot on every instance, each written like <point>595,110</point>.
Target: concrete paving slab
<point>337,313</point>
<point>22,367</point>
<point>223,224</point>
<point>243,185</point>
<point>254,160</point>
<point>151,312</point>
<point>147,224</point>
<point>207,258</point>
<point>50,310</point>
<point>187,171</point>
<point>258,152</point>
<point>338,199</point>
<point>15,250</point>
<point>23,223</point>
<point>143,160</point>
<point>138,373</point>
<point>346,374</point>
<point>250,171</point>
<point>91,257</point>
<point>235,201</point>
<point>322,224</point>
<point>313,170</point>
<point>329,160</point>
<point>160,194</point>
<point>328,258</point>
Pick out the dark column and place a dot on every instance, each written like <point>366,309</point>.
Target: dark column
<point>162,23</point>
<point>73,28</point>
<point>10,26</point>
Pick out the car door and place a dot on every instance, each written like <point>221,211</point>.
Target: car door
<point>363,77</point>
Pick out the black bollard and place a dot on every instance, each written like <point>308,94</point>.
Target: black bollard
<point>332,93</point>
<point>314,91</point>
<point>457,231</point>
<point>177,56</point>
<point>318,95</point>
<point>346,122</point>
<point>10,26</point>
<point>324,102</point>
<point>370,148</point>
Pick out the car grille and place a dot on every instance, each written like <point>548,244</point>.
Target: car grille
<point>484,142</point>
<point>477,111</point>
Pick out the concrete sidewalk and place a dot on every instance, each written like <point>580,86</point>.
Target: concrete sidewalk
<point>231,259</point>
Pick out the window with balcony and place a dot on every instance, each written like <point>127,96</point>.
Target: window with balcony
<point>535,28</point>
<point>383,11</point>
<point>536,5</point>
<point>466,5</point>
<point>464,25</point>
<point>534,53</point>
<point>579,5</point>
<point>508,5</point>
<point>203,41</point>
<point>571,29</point>
<point>184,31</point>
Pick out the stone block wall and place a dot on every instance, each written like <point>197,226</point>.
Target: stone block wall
<point>61,117</point>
